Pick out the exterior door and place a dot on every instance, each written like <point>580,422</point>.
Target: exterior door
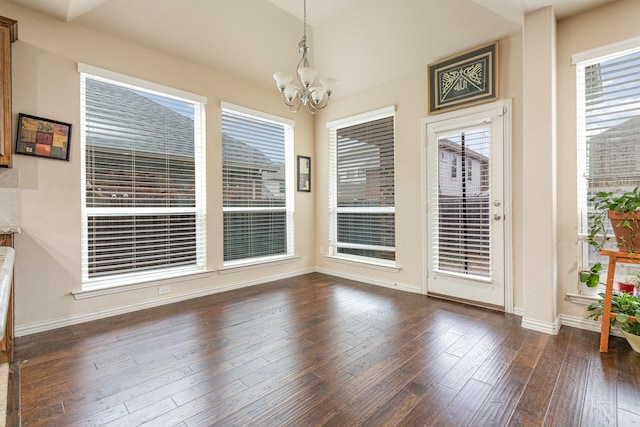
<point>465,208</point>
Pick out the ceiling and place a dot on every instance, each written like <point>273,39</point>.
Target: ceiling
<point>363,43</point>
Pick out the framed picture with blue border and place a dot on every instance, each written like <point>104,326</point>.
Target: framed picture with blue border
<point>465,79</point>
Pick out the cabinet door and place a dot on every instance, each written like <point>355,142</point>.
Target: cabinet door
<point>8,34</point>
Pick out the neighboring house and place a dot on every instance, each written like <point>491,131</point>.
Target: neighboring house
<point>613,157</point>
<point>108,149</point>
<point>248,171</point>
<point>452,172</point>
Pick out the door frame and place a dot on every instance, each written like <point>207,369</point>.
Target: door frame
<point>505,107</point>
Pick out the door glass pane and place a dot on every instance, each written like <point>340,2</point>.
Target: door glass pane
<point>463,232</point>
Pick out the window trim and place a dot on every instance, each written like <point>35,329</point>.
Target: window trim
<point>581,61</point>
<point>134,280</point>
<point>289,208</point>
<point>333,254</point>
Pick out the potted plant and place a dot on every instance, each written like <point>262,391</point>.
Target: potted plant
<point>623,212</point>
<point>631,283</point>
<point>627,310</point>
<point>591,278</point>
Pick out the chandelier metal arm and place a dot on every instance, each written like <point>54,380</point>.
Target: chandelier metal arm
<point>313,97</point>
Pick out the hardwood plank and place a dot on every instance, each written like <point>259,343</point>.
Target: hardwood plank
<point>321,350</point>
<point>567,401</point>
<point>463,407</point>
<point>600,403</point>
<point>534,401</point>
<point>506,394</point>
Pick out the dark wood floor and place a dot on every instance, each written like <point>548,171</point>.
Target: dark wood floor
<point>319,350</point>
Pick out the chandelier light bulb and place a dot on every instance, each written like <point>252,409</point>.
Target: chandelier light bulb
<point>282,80</point>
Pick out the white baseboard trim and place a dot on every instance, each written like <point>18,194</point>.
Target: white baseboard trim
<point>36,327</point>
<point>586,324</point>
<point>518,311</point>
<point>546,327</point>
<point>391,285</point>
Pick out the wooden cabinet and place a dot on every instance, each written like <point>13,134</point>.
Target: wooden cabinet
<point>8,34</point>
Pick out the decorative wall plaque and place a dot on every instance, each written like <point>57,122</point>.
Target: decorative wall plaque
<point>465,79</point>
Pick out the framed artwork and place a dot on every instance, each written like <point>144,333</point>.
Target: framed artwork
<point>463,80</point>
<point>43,137</point>
<point>304,174</point>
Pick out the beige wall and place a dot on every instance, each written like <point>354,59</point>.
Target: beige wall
<point>613,23</point>
<point>408,94</point>
<point>46,83</point>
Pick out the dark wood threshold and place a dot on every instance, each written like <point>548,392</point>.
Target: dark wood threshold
<point>467,302</point>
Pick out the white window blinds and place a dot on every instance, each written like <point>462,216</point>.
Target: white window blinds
<point>608,104</point>
<point>144,194</point>
<point>257,182</point>
<point>363,188</point>
<point>461,234</point>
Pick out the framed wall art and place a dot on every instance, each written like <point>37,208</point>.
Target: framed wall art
<point>463,80</point>
<point>304,174</point>
<point>43,137</point>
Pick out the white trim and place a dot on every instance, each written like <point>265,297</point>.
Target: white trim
<point>601,52</point>
<point>364,262</point>
<point>586,324</point>
<point>36,327</point>
<point>237,266</point>
<point>248,112</point>
<point>123,78</point>
<point>545,327</point>
<point>382,283</point>
<point>582,298</point>
<point>518,311</point>
<point>504,108</point>
<point>109,287</point>
<point>380,113</point>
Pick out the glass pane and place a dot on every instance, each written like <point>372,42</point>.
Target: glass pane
<point>464,238</point>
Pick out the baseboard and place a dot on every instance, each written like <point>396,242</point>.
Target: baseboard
<point>385,284</point>
<point>518,311</point>
<point>36,327</point>
<point>586,324</point>
<point>551,328</point>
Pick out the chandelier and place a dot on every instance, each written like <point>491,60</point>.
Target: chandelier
<point>313,97</point>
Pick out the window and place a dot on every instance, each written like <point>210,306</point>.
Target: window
<point>608,88</point>
<point>257,185</point>
<point>362,200</point>
<point>454,165</point>
<point>143,192</point>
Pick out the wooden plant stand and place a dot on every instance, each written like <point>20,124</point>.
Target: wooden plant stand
<point>614,258</point>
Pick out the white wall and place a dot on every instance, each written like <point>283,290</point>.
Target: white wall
<point>46,83</point>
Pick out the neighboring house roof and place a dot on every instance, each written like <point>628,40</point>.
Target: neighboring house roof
<point>238,153</point>
<point>127,106</point>
<point>454,147</point>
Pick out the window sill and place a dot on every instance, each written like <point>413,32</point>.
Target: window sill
<point>583,299</point>
<point>367,264</point>
<point>250,265</point>
<point>90,293</point>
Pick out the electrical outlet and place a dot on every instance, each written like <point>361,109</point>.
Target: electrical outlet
<point>164,290</point>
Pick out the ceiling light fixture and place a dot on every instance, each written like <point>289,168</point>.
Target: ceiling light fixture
<point>314,97</point>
